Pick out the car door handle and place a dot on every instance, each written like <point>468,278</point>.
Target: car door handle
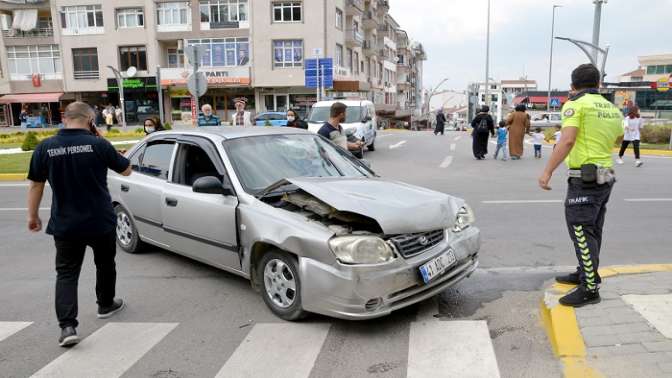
<point>172,202</point>
<point>125,188</point>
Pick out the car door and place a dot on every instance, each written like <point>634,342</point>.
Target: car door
<point>141,193</point>
<point>368,127</point>
<point>201,226</point>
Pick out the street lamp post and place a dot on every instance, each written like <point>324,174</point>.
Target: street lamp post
<point>550,65</point>
<point>120,83</point>
<point>487,61</point>
<point>587,49</point>
<point>596,25</point>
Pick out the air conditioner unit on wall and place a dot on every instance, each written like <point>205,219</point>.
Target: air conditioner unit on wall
<point>5,21</point>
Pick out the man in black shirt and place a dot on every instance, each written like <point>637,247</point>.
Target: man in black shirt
<point>75,162</point>
<point>333,131</point>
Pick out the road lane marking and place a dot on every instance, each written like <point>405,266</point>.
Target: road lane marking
<point>259,355</point>
<point>656,309</point>
<point>451,349</point>
<point>108,352</point>
<point>453,146</point>
<point>446,162</point>
<point>648,200</point>
<point>392,147</point>
<point>21,208</point>
<point>9,328</point>
<point>507,202</point>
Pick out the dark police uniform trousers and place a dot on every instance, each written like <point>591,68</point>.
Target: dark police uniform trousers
<point>585,209</point>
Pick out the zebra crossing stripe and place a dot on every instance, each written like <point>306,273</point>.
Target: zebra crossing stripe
<point>451,349</point>
<point>279,350</point>
<point>108,352</point>
<point>9,328</point>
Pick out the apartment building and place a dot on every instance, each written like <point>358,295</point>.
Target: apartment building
<point>59,51</point>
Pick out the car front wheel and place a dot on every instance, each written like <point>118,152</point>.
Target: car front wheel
<point>281,290</point>
<point>127,234</point>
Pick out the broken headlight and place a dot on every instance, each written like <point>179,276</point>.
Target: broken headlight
<point>361,250</point>
<point>465,218</point>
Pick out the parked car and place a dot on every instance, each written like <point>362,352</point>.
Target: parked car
<point>360,115</point>
<point>545,120</point>
<point>313,228</point>
<point>272,118</point>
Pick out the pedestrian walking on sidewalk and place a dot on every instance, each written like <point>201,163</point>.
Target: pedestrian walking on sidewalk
<point>633,126</point>
<point>75,162</point>
<point>501,140</point>
<point>440,123</point>
<point>590,127</point>
<point>519,126</point>
<point>538,142</point>
<point>557,135</point>
<point>483,125</point>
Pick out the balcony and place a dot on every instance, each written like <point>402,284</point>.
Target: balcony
<point>354,38</point>
<point>354,7</point>
<point>383,6</point>
<point>370,20</point>
<point>370,48</point>
<point>87,75</point>
<point>35,33</point>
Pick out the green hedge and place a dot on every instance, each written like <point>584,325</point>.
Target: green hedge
<point>656,134</point>
<point>30,142</point>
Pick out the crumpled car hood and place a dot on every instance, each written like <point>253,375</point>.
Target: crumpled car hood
<point>397,207</point>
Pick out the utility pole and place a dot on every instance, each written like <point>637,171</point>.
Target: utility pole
<point>487,61</point>
<point>550,65</point>
<point>596,25</point>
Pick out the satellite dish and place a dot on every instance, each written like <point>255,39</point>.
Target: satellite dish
<point>131,71</point>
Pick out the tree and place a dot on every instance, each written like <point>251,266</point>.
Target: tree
<point>30,141</point>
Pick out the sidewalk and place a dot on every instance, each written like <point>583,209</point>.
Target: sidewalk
<point>628,334</point>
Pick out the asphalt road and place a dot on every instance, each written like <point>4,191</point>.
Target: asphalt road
<point>185,319</point>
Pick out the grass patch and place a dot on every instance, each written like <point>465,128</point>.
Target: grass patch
<point>15,163</point>
<point>647,146</point>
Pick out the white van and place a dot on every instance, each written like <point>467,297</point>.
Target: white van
<point>360,115</point>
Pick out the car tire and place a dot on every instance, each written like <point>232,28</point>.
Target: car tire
<point>128,238</point>
<point>372,147</point>
<point>278,275</point>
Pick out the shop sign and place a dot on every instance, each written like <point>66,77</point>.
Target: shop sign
<point>179,92</point>
<point>237,76</point>
<point>133,84</point>
<point>663,84</point>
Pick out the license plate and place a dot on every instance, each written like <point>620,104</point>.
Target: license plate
<point>437,266</point>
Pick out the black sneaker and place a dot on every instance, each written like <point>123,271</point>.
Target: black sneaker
<point>569,279</point>
<point>108,311</point>
<point>580,297</point>
<point>68,337</point>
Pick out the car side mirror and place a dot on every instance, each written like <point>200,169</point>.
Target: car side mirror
<point>212,185</point>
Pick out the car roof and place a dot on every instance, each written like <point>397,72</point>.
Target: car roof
<point>231,132</point>
<point>283,113</point>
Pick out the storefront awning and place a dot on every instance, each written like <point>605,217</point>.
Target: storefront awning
<point>30,98</point>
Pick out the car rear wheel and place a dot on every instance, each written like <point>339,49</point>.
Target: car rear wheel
<point>128,238</point>
<point>281,289</point>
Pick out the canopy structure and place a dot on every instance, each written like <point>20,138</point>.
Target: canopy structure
<point>31,98</point>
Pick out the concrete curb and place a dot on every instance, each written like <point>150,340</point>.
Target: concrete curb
<point>13,176</point>
<point>562,327</point>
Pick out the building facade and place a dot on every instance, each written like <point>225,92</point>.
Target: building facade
<point>647,87</point>
<point>65,50</point>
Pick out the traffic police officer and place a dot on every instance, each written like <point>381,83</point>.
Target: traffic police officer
<point>75,162</point>
<point>590,127</point>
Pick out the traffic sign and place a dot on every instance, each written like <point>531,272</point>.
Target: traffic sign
<point>197,84</point>
<point>318,76</point>
<point>194,54</point>
<point>555,102</point>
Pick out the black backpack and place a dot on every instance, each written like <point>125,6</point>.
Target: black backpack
<point>482,126</point>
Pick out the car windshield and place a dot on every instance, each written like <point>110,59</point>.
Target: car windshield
<point>320,114</point>
<point>264,160</point>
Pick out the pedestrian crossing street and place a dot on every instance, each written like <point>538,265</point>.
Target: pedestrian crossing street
<point>284,350</point>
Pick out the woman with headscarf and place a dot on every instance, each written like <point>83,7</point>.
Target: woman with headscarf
<point>152,125</point>
<point>440,122</point>
<point>293,120</point>
<point>483,126</point>
<point>519,125</point>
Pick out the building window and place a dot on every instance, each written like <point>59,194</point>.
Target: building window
<point>135,56</point>
<point>287,12</point>
<point>172,14</point>
<point>223,11</point>
<point>339,19</point>
<point>224,51</point>
<point>659,70</point>
<point>85,63</point>
<point>339,55</point>
<point>24,61</point>
<point>175,58</point>
<point>287,53</point>
<point>355,57</point>
<point>78,18</point>
<point>348,58</point>
<point>130,18</point>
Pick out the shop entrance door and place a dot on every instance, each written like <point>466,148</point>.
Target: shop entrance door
<point>277,102</point>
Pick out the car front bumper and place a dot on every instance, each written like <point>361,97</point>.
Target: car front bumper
<point>359,292</point>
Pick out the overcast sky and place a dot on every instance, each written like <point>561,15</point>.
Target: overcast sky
<point>453,33</point>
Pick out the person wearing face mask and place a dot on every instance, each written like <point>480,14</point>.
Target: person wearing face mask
<point>293,120</point>
<point>152,125</point>
<point>208,119</point>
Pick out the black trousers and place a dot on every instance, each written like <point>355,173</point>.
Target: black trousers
<point>69,258</point>
<point>480,146</point>
<point>624,146</point>
<point>585,210</point>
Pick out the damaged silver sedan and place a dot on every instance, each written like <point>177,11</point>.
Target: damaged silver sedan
<point>313,228</point>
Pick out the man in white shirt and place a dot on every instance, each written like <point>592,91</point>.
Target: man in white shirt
<point>241,117</point>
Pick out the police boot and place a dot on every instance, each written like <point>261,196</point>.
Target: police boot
<point>569,279</point>
<point>580,297</point>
